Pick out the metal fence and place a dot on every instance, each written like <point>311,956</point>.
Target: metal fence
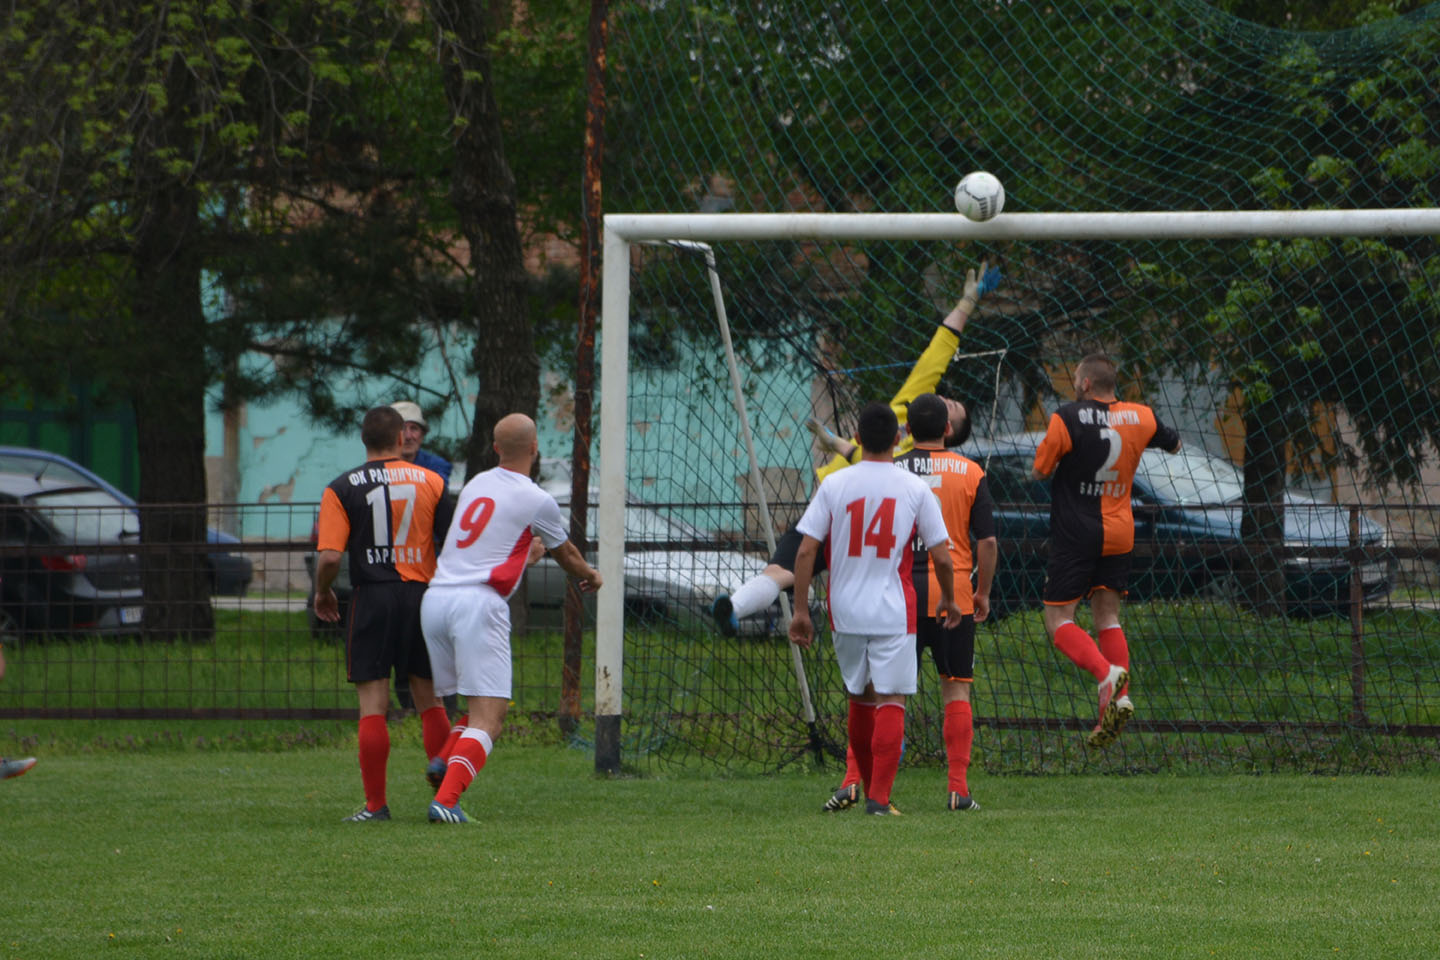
<point>1353,658</point>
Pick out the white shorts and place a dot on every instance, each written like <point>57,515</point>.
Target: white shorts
<point>467,632</point>
<point>889,662</point>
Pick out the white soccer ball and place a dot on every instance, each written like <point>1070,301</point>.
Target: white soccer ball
<point>979,195</point>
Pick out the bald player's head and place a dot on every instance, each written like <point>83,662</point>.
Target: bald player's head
<point>515,441</point>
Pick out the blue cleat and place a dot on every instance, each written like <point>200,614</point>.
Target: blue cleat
<point>435,772</point>
<point>724,613</point>
<point>366,815</point>
<point>439,813</point>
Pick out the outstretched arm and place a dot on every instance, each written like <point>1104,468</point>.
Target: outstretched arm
<point>573,563</point>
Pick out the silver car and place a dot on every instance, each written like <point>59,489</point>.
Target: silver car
<point>672,569</point>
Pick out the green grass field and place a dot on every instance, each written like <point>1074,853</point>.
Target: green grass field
<point>142,844</point>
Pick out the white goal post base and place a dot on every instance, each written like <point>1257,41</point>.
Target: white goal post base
<point>622,230</point>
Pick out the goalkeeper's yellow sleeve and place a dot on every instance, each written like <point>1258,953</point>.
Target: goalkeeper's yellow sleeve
<point>924,378</point>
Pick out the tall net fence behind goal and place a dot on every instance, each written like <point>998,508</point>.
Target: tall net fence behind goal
<point>1286,612</point>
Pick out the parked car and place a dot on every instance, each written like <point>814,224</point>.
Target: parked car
<point>1182,501</point>
<point>671,567</point>
<point>230,573</point>
<point>51,578</point>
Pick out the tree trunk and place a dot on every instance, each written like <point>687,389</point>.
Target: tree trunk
<point>482,189</point>
<point>1262,523</point>
<point>168,397</point>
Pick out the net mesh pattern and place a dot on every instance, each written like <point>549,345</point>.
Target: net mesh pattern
<point>1284,612</point>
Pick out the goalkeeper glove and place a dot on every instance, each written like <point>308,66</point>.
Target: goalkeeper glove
<point>988,280</point>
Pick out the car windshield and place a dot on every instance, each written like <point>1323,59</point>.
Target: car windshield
<point>87,516</point>
<point>1190,477</point>
<point>38,466</point>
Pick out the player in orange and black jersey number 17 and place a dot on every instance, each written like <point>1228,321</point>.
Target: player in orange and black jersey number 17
<point>383,514</point>
<point>1092,447</point>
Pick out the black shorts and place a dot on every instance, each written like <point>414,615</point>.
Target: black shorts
<point>384,634</point>
<point>788,546</point>
<point>952,650</point>
<point>1071,577</point>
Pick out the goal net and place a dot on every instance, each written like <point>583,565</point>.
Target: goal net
<point>1282,600</point>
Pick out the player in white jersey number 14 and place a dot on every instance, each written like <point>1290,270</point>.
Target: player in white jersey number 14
<point>871,514</point>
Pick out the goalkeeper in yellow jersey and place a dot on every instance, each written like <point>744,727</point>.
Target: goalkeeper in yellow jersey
<point>761,590</point>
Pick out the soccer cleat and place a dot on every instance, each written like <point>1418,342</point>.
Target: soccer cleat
<point>958,802</point>
<point>439,813</point>
<point>724,613</point>
<point>14,768</point>
<point>435,772</point>
<point>1124,710</point>
<point>366,815</point>
<point>1110,723</point>
<point>843,799</point>
<point>878,809</point>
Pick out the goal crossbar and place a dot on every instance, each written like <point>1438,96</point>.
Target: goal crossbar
<point>622,230</point>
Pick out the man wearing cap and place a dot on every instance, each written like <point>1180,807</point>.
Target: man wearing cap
<point>413,436</point>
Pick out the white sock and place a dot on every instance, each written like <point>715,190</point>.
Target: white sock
<point>754,595</point>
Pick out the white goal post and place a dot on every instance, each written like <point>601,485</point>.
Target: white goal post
<point>623,230</point>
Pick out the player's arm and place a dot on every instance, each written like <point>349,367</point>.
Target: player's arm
<point>935,359</point>
<point>327,568</point>
<point>976,286</point>
<point>572,561</point>
<point>987,551</point>
<point>1055,445</point>
<point>987,546</point>
<point>1166,438</point>
<point>332,534</point>
<point>802,631</point>
<point>944,569</point>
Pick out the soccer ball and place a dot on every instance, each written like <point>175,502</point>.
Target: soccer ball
<point>979,195</point>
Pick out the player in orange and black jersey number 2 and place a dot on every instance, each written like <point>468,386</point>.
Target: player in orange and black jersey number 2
<point>383,513</point>
<point>959,484</point>
<point>1092,446</point>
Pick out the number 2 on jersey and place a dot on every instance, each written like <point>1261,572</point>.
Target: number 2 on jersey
<point>474,520</point>
<point>880,533</point>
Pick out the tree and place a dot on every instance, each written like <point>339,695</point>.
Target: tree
<point>1300,329</point>
<point>135,143</point>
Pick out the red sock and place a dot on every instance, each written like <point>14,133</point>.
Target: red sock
<point>860,725</point>
<point>455,732</point>
<point>852,767</point>
<point>465,762</point>
<point>374,738</point>
<point>885,745</point>
<point>1114,648</point>
<point>1077,645</point>
<point>434,731</point>
<point>959,735</point>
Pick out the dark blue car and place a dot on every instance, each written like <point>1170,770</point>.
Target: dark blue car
<point>230,573</point>
<point>1187,513</point>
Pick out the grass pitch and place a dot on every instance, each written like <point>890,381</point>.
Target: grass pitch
<point>167,850</point>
